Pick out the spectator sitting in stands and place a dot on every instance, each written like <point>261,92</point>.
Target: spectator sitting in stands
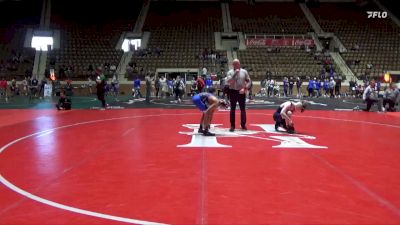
<point>277,50</point>
<point>158,51</point>
<point>113,68</point>
<point>308,50</point>
<point>355,47</point>
<point>327,61</point>
<point>317,55</point>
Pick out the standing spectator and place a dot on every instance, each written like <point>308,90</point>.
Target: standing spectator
<point>69,89</point>
<point>326,87</point>
<point>14,87</point>
<point>42,83</point>
<point>136,88</point>
<point>25,83</point>
<point>318,87</point>
<point>391,96</point>
<point>3,89</point>
<point>378,86</point>
<point>179,88</point>
<point>263,86</point>
<point>370,96</point>
<point>115,86</point>
<point>193,87</point>
<point>149,80</point>
<point>285,86</point>
<point>57,87</point>
<point>239,81</point>
<point>164,86</point>
<point>352,87</point>
<point>291,84</point>
<point>157,85</point>
<point>311,88</point>
<point>89,85</point>
<point>33,86</point>
<point>101,86</point>
<point>299,82</point>
<point>337,87</point>
<point>271,85</point>
<point>170,85</point>
<point>251,90</point>
<point>200,84</point>
<point>332,85</point>
<point>204,71</point>
<point>340,78</point>
<point>209,83</point>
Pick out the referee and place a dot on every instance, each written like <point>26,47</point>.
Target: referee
<point>239,81</point>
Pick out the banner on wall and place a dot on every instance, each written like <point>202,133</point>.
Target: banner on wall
<point>279,42</point>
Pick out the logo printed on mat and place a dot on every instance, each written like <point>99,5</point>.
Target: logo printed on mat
<point>285,140</point>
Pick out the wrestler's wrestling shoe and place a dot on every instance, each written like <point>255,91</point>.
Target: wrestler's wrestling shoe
<point>291,130</point>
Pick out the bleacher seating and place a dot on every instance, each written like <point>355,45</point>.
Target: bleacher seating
<point>287,62</point>
<point>378,40</point>
<point>182,30</point>
<point>83,46</point>
<point>15,59</point>
<point>268,18</point>
<point>89,37</point>
<point>274,18</point>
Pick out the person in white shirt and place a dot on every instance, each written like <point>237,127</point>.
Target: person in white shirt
<point>239,82</point>
<point>370,96</point>
<point>391,96</point>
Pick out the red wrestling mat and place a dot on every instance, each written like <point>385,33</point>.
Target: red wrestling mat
<point>149,166</point>
<point>397,114</point>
